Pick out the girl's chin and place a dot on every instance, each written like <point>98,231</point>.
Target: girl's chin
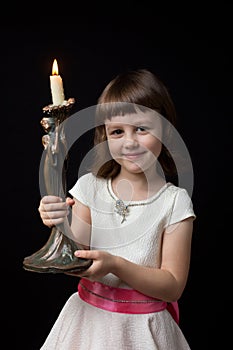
<point>136,167</point>
<point>133,167</point>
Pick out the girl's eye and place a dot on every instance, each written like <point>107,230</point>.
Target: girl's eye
<point>141,128</point>
<point>116,132</point>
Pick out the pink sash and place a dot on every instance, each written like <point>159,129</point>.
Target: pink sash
<point>123,300</point>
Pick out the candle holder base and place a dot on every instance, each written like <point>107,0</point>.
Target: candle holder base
<point>56,256</point>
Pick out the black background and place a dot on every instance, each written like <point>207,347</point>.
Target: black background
<point>189,49</point>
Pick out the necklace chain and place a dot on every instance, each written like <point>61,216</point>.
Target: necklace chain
<point>121,208</point>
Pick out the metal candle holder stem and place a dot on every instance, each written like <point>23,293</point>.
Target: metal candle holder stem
<point>57,255</point>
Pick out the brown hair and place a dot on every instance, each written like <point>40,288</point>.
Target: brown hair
<point>126,92</point>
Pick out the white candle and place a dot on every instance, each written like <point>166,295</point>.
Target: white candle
<point>56,86</point>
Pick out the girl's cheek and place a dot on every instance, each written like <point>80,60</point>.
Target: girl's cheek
<point>114,145</point>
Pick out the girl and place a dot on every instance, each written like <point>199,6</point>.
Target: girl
<point>135,225</point>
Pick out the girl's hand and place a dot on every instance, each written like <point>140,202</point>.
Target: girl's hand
<point>53,210</point>
<point>103,263</point>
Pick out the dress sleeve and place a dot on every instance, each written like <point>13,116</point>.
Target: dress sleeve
<point>182,208</point>
<point>80,189</point>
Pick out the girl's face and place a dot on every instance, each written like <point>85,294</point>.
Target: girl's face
<point>134,140</point>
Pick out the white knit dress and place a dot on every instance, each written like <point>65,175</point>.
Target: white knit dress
<point>81,326</point>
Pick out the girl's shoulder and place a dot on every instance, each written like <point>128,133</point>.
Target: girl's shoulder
<point>89,179</point>
<point>87,186</point>
<point>176,188</point>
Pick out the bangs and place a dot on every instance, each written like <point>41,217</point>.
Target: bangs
<point>108,110</point>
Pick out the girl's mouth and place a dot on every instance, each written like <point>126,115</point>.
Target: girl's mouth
<point>131,156</point>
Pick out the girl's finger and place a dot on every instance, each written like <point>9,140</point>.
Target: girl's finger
<point>50,199</point>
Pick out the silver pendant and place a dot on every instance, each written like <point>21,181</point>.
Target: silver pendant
<point>121,209</point>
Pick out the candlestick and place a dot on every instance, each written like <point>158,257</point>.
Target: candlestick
<point>56,86</point>
<point>57,255</point>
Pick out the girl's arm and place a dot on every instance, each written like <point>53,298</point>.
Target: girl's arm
<point>81,224</point>
<point>165,283</point>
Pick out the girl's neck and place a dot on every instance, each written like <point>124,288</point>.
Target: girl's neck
<point>140,186</point>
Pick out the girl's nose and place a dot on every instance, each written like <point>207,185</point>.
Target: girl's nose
<point>130,141</point>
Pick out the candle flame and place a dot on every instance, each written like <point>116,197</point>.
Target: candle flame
<point>55,68</point>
